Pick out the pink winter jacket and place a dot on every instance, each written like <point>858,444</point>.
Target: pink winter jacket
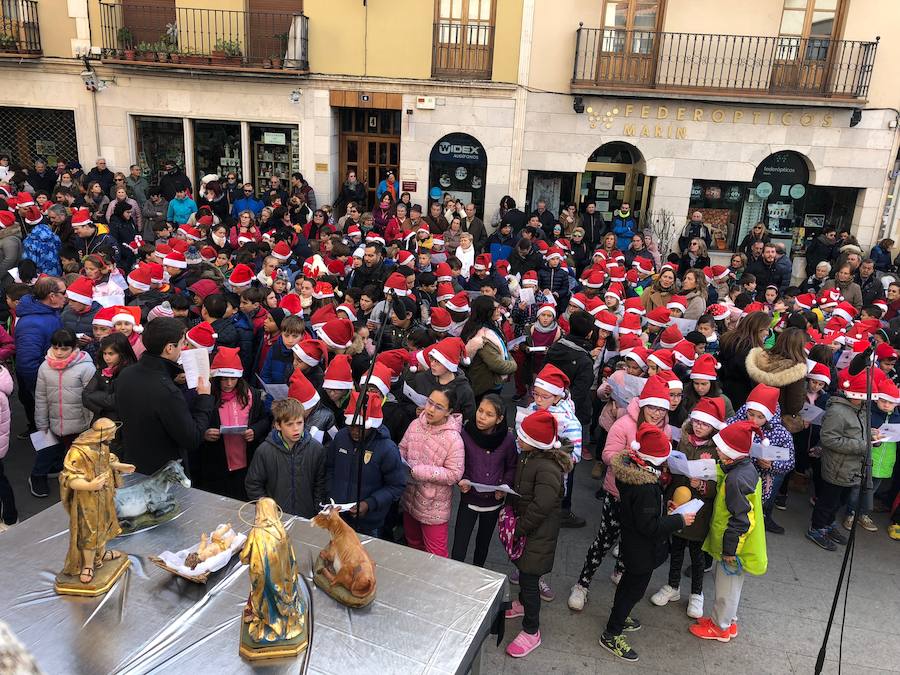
<point>6,388</point>
<point>436,457</point>
<point>619,438</point>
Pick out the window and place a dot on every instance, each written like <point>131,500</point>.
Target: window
<point>463,37</point>
<point>807,28</point>
<point>630,23</point>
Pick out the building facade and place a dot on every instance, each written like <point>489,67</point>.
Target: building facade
<point>781,111</point>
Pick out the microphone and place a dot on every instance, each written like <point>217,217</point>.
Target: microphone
<point>861,360</point>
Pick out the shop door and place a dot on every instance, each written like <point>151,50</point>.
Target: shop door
<point>609,185</point>
<point>629,42</point>
<point>370,153</point>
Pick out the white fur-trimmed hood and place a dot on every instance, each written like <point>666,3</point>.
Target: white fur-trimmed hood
<point>774,371</point>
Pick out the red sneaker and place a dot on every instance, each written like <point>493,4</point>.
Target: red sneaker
<point>733,630</point>
<point>705,629</point>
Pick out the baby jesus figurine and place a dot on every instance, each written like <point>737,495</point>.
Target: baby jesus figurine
<point>88,484</point>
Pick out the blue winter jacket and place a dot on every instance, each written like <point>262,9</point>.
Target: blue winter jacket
<point>37,322</point>
<point>247,204</point>
<point>41,246</point>
<point>624,228</point>
<point>80,323</point>
<point>279,364</point>
<point>881,258</point>
<point>244,329</point>
<point>180,210</point>
<point>383,475</point>
<point>556,280</point>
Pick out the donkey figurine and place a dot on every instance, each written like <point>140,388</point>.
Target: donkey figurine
<point>149,501</point>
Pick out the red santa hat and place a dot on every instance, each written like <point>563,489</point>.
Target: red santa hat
<point>881,304</point>
<point>396,284</point>
<point>885,351</point>
<point>336,268</point>
<point>502,268</point>
<point>24,200</point>
<point>660,317</point>
<point>630,324</point>
<point>354,231</point>
<point>671,379</point>
<point>663,358</point>
<point>711,411</point>
<point>405,258</point>
<point>819,372</point>
<point>720,272</point>
<point>643,265</point>
<point>579,300</point>
<point>440,319</point>
<point>805,301</point>
<point>846,311</point>
<point>829,298</point>
<point>310,352</point>
<point>227,363</point>
<point>554,253</point>
<point>888,391</point>
<point>548,307</point>
<point>616,290</point>
<point>639,355</point>
<point>450,353</point>
<point>282,251</point>
<point>189,232</point>
<point>677,302</point>
<point>529,278</point>
<point>371,412</point>
<point>374,238</point>
<point>628,342</point>
<point>202,336</point>
<point>445,291</point>
<point>301,389</point>
<point>655,393</point>
<point>208,253</point>
<point>175,259</point>
<point>459,303</point>
<point>634,306</point>
<point>539,430</point>
<point>141,278</point>
<point>482,262</point>
<point>339,374</point>
<point>719,312</point>
<point>552,380</point>
<point>130,315</point>
<point>685,353</point>
<point>705,367</point>
<point>763,399</point>
<point>595,279</point>
<point>82,290</point>
<point>672,267</point>
<point>606,320</point>
<point>381,378</point>
<point>396,360</point>
<point>651,444</point>
<point>241,276</point>
<point>734,440</point>
<point>347,310</point>
<point>104,317</point>
<point>323,290</point>
<point>670,337</point>
<point>292,304</point>
<point>337,333</point>
<point>853,386</point>
<point>616,273</point>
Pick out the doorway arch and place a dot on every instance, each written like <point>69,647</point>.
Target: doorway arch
<point>614,173</point>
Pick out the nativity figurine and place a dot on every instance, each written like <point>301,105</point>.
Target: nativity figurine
<point>344,569</point>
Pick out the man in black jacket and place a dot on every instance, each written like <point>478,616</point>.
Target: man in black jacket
<point>158,423</point>
<point>525,258</point>
<point>572,355</point>
<point>593,225</point>
<point>172,180</point>
<point>514,216</point>
<point>372,271</point>
<point>101,174</point>
<point>767,272</point>
<point>545,218</point>
<point>42,178</point>
<point>351,191</point>
<point>822,248</point>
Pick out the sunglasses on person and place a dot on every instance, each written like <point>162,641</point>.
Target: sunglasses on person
<point>247,192</point>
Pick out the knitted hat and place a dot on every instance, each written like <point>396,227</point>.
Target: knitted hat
<point>459,303</point>
<point>130,315</point>
<point>677,302</point>
<point>539,430</point>
<point>853,386</point>
<point>711,411</point>
<point>372,411</point>
<point>82,290</point>
<point>301,389</point>
<point>685,353</point>
<point>396,284</point>
<point>282,251</point>
<point>630,324</point>
<point>141,278</point>
<point>845,310</point>
<point>104,317</point>
<point>450,353</point>
<point>552,380</point>
<point>663,358</point>
<point>670,337</point>
<point>705,367</point>
<point>175,259</point>
<point>719,312</point>
<point>606,320</point>
<point>734,440</point>
<point>203,336</point>
<point>337,333</point>
<point>339,375</point>
<point>651,444</point>
<point>227,363</point>
<point>655,393</point>
<point>763,399</point>
<point>661,317</point>
<point>161,311</point>
<point>241,276</point>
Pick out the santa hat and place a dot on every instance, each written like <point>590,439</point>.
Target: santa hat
<point>310,352</point>
<point>381,378</point>
<point>141,278</point>
<point>606,320</point>
<point>175,259</point>
<point>671,379</point>
<point>734,440</point>
<point>705,367</point>
<point>354,231</point>
<point>627,342</point>
<point>805,301</point>
<point>885,351</point>
<point>241,276</point>
<point>157,273</point>
<point>337,333</point>
<point>301,389</point>
<point>677,302</point>
<point>853,386</point>
<point>660,317</point>
<point>82,290</point>
<point>821,373</point>
<point>347,310</point>
<point>443,272</point>
<point>616,290</point>
<point>374,238</point>
<point>396,284</point>
<point>829,298</point>
<point>405,258</point>
<point>203,336</point>
<point>323,290</point>
<point>685,353</point>
<point>440,320</point>
<point>720,272</point>
<point>396,360</point>
<point>179,245</point>
<point>616,273</point>
<point>33,215</point>
<point>630,324</point>
<point>719,312</point>
<point>846,311</point>
<point>459,303</point>
<point>888,391</point>
<point>836,323</point>
<point>663,358</point>
<point>282,251</point>
<point>552,380</point>
<point>595,279</point>
<point>548,307</point>
<point>529,278</point>
<point>670,337</point>
<point>104,317</point>
<point>634,306</point>
<point>881,304</point>
<point>7,218</point>
<point>763,399</point>
<point>502,268</point>
<point>482,262</point>
<point>338,374</point>
<point>208,253</point>
<point>579,300</point>
<point>450,353</point>
<point>539,430</point>
<point>711,411</point>
<point>651,444</point>
<point>643,265</point>
<point>189,232</point>
<point>437,241</point>
<point>445,291</point>
<point>130,315</point>
<point>753,307</point>
<point>639,355</point>
<point>631,276</point>
<point>227,363</point>
<point>24,200</point>
<point>672,267</point>
<point>655,393</point>
<point>554,253</point>
<point>372,411</point>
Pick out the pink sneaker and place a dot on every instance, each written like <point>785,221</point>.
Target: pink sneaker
<point>524,644</point>
<point>515,611</point>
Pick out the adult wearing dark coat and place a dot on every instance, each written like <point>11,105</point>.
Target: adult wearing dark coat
<point>823,248</point>
<point>101,174</point>
<point>172,181</point>
<point>159,425</point>
<point>352,190</point>
<point>734,347</point>
<point>768,272</point>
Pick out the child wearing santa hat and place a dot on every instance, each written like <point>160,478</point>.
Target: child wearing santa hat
<point>127,321</point>
<point>736,539</point>
<point>645,526</point>
<point>534,513</point>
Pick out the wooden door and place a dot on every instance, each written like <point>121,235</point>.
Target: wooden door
<point>629,42</point>
<point>804,49</point>
<point>370,145</point>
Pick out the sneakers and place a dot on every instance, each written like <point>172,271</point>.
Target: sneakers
<point>821,539</point>
<point>632,625</point>
<point>524,644</point>
<point>547,593</point>
<point>894,532</point>
<point>618,646</point>
<point>781,502</point>
<point>514,577</point>
<point>39,485</point>
<point>836,536</point>
<point>848,522</point>
<point>665,595</point>
<point>705,629</point>
<point>577,597</point>
<point>569,519</point>
<point>772,526</point>
<point>695,606</point>
<point>514,612</point>
<point>615,577</point>
<point>866,522</point>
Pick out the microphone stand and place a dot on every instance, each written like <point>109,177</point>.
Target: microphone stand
<point>850,549</point>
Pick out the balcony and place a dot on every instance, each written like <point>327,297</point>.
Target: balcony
<point>20,33</point>
<point>780,67</point>
<point>187,37</point>
<point>462,51</point>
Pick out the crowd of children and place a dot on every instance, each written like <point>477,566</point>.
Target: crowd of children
<point>363,362</point>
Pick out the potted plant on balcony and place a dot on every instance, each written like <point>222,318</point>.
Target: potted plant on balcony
<point>174,54</point>
<point>162,51</point>
<point>233,54</point>
<point>194,58</point>
<point>126,43</point>
<point>145,52</point>
<point>217,55</point>
<point>8,43</point>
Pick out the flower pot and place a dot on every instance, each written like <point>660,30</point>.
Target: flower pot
<point>195,60</point>
<point>162,57</point>
<point>130,54</point>
<point>175,58</point>
<point>233,60</point>
<point>277,63</point>
<point>267,63</point>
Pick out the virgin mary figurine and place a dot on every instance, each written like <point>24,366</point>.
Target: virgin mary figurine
<point>274,621</point>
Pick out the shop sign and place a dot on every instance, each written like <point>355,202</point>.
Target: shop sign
<point>458,148</point>
<point>783,168</point>
<point>733,193</point>
<point>408,185</point>
<point>696,192</point>
<point>274,138</point>
<point>763,190</point>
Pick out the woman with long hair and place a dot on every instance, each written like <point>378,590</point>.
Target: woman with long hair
<point>695,257</point>
<point>734,347</point>
<point>694,288</point>
<point>783,366</point>
<point>383,212</point>
<point>492,363</point>
<point>660,291</point>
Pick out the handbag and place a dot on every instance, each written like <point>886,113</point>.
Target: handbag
<point>515,546</point>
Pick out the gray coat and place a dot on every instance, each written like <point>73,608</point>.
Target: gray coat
<point>10,252</point>
<point>294,478</point>
<point>57,397</point>
<point>843,441</point>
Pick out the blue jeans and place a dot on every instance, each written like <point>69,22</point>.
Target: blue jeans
<point>863,498</point>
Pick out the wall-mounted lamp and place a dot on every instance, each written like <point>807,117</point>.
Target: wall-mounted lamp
<point>295,96</point>
<point>578,105</point>
<point>855,117</point>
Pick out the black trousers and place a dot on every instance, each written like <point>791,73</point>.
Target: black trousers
<point>7,499</point>
<point>466,520</point>
<point>829,499</point>
<point>530,597</point>
<point>676,560</point>
<point>630,590</point>
<point>570,483</point>
<point>26,397</point>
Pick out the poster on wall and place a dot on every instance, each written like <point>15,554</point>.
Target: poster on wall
<point>547,188</point>
<point>603,183</point>
<point>458,164</point>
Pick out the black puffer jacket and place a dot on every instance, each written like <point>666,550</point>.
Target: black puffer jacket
<point>645,526</point>
<point>556,280</point>
<point>539,482</point>
<point>294,477</point>
<point>572,355</point>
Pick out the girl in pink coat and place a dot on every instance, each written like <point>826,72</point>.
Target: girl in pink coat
<point>8,514</point>
<point>433,448</point>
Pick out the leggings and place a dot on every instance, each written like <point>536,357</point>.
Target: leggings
<point>7,499</point>
<point>607,536</point>
<point>466,519</point>
<point>676,560</point>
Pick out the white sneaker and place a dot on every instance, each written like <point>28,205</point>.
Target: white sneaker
<point>695,606</point>
<point>615,577</point>
<point>577,597</point>
<point>665,595</point>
